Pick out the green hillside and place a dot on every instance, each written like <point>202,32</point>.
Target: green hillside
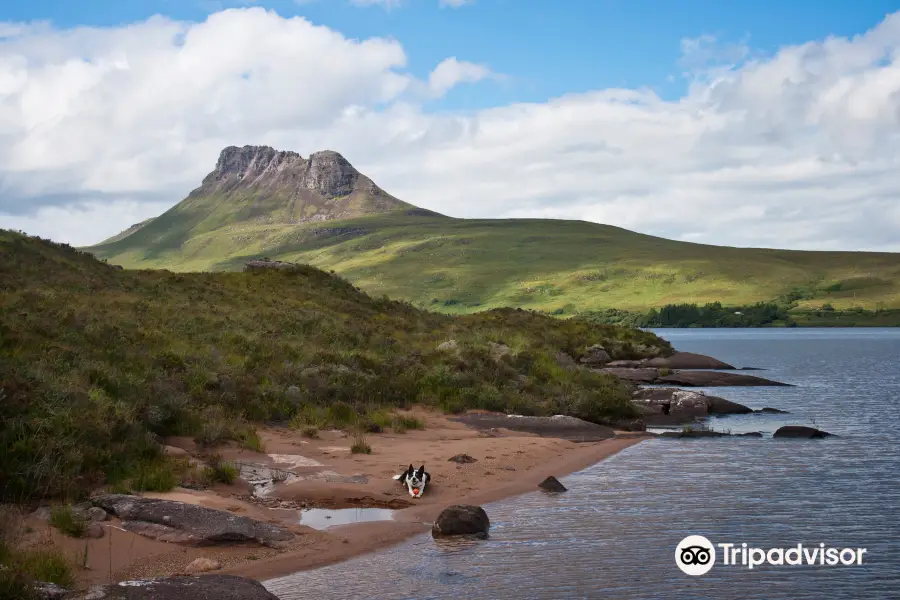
<point>97,364</point>
<point>388,247</point>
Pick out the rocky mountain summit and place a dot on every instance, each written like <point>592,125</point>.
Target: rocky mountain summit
<point>326,173</point>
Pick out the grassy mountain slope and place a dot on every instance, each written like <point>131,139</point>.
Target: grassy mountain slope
<point>96,362</point>
<point>466,265</point>
<point>262,202</point>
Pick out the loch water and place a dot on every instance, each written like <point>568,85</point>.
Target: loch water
<point>614,533</point>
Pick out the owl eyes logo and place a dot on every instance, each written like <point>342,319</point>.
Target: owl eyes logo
<point>695,555</point>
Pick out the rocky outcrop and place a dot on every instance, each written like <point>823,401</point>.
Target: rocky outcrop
<point>768,410</point>
<point>721,406</point>
<point>200,587</point>
<point>263,264</point>
<point>559,426</point>
<point>552,484</point>
<point>800,431</point>
<point>670,405</point>
<point>716,379</point>
<point>678,360</point>
<point>595,356</point>
<point>327,172</point>
<point>171,521</point>
<point>673,405</point>
<point>462,519</point>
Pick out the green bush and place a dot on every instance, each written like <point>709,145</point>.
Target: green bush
<point>63,518</point>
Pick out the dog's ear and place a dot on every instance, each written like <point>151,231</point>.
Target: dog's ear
<point>410,469</point>
<point>422,469</point>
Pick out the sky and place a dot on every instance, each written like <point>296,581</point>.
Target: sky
<point>741,123</point>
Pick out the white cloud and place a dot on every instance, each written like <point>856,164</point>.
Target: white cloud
<point>101,128</point>
<point>451,72</point>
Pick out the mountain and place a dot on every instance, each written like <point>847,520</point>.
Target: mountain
<point>262,202</point>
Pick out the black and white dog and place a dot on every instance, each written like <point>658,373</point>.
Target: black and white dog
<point>415,480</point>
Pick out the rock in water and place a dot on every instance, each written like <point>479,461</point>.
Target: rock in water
<point>462,459</point>
<point>462,519</point>
<point>800,431</point>
<point>171,521</point>
<point>552,484</point>
<point>721,406</point>
<point>201,587</point>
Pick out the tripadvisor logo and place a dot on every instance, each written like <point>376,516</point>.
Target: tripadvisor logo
<point>696,555</point>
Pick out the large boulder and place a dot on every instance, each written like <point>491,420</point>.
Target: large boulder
<point>462,519</point>
<point>800,431</point>
<point>595,356</point>
<point>721,406</point>
<point>552,484</point>
<point>172,521</point>
<point>670,405</point>
<point>200,587</point>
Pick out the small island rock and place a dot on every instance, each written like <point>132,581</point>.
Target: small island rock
<point>462,519</point>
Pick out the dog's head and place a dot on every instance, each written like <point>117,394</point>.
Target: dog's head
<point>415,480</point>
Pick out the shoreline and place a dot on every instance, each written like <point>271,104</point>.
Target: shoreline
<point>327,475</point>
<point>416,520</point>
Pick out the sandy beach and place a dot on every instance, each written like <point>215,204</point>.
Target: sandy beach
<point>327,475</point>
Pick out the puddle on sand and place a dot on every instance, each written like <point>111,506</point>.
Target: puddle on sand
<point>323,518</point>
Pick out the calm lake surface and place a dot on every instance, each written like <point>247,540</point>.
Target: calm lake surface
<point>614,533</point>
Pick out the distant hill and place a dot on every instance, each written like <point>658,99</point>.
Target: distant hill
<point>262,202</point>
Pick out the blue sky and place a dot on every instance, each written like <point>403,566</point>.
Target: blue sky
<point>735,122</point>
<point>547,48</point>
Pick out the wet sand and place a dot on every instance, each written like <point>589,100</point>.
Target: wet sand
<point>329,476</point>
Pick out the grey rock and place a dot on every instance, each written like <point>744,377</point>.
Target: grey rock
<point>261,264</point>
<point>498,351</point>
<point>447,346</point>
<point>552,484</point>
<point>721,406</point>
<point>199,587</point>
<point>800,431</point>
<point>189,524</point>
<point>773,411</point>
<point>42,513</point>
<point>670,405</point>
<point>595,355</point>
<point>97,514</point>
<point>462,459</point>
<point>462,519</point>
<point>51,591</point>
<point>565,361</point>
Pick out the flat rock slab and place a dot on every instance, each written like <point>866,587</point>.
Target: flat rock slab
<point>716,379</point>
<point>562,427</point>
<point>172,521</point>
<point>200,587</point>
<point>679,360</point>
